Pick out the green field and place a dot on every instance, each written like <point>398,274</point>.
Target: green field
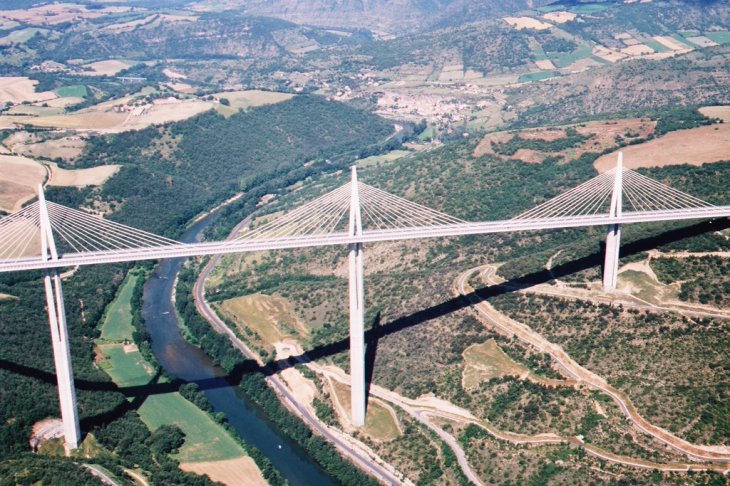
<point>551,8</point>
<point>383,159</point>
<point>118,323</point>
<point>204,439</point>
<point>590,8</point>
<point>722,37</point>
<point>657,46</point>
<point>75,91</point>
<point>539,54</point>
<point>535,76</point>
<point>127,369</point>
<point>564,60</point>
<point>427,134</point>
<point>22,36</point>
<point>681,39</point>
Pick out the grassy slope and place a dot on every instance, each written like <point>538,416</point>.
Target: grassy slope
<point>118,323</point>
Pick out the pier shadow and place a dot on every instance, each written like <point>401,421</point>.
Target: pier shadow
<point>371,351</point>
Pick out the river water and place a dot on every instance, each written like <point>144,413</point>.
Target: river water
<point>183,360</point>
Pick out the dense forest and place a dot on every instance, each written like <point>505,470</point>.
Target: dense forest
<point>171,174</point>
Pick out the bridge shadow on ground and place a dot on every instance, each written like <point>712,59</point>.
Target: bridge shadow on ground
<point>593,260</point>
<point>138,394</point>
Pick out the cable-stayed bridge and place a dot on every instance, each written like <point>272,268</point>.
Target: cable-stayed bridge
<point>47,236</point>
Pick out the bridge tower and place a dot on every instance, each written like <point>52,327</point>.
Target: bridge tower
<point>59,332</point>
<point>613,239</point>
<point>357,310</point>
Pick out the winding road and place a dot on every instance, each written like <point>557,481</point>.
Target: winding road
<point>578,372</point>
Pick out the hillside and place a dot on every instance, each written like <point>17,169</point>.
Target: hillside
<point>419,332</point>
<point>393,17</point>
<point>171,174</point>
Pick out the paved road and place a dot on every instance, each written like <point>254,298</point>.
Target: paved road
<point>204,309</point>
<point>581,374</point>
<point>106,479</point>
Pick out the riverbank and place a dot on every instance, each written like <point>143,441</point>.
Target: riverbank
<point>208,449</point>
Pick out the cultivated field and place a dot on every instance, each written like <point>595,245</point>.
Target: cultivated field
<point>382,159</point>
<point>526,23</point>
<point>118,323</point>
<point>486,361</point>
<point>109,67</point>
<point>92,120</point>
<point>75,91</point>
<point>247,99</point>
<point>16,89</point>
<point>675,148</point>
<point>721,112</point>
<point>271,317</point>
<point>61,147</point>
<point>241,471</point>
<point>602,136</point>
<point>19,179</point>
<point>21,36</point>
<point>110,121</point>
<point>167,113</point>
<point>559,17</point>
<point>94,176</point>
<point>58,13</point>
<point>126,367</point>
<point>204,439</point>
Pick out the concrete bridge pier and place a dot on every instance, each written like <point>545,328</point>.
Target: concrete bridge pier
<point>59,333</point>
<point>613,239</point>
<point>357,311</point>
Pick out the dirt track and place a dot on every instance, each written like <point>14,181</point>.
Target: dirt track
<point>524,333</point>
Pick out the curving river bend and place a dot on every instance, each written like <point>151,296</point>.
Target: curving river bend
<point>183,360</point>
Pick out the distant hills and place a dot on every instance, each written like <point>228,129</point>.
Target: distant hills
<point>391,16</point>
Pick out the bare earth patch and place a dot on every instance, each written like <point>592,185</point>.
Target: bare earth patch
<point>675,148</point>
<point>487,360</point>
<point>247,99</point>
<point>526,23</point>
<point>721,112</point>
<point>17,89</point>
<point>19,179</point>
<point>560,16</point>
<point>637,50</point>
<point>545,64</point>
<point>94,176</point>
<point>241,471</point>
<point>51,428</point>
<point>603,137</point>
<point>66,148</point>
<point>271,317</point>
<point>110,121</point>
<point>61,12</point>
<point>108,68</point>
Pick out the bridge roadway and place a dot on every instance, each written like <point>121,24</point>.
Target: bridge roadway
<point>368,236</point>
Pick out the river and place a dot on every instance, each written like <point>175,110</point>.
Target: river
<point>183,360</point>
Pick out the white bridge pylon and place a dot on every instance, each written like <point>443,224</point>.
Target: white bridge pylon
<point>47,236</point>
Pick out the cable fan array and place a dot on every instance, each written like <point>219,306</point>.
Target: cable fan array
<point>330,213</point>
<point>592,197</point>
<point>74,230</point>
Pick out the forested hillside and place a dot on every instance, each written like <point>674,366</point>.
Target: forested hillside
<point>171,174</point>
